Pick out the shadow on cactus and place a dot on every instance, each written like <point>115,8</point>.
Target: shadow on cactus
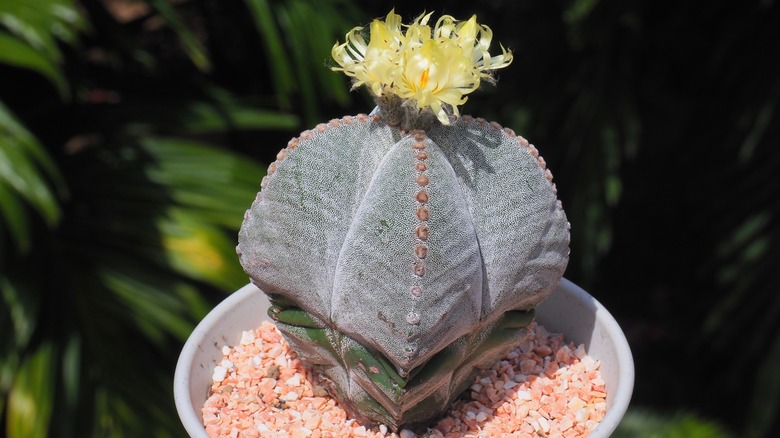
<point>405,250</point>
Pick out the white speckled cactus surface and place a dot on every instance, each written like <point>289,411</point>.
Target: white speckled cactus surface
<point>405,250</point>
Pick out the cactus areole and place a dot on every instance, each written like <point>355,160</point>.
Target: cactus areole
<point>403,251</point>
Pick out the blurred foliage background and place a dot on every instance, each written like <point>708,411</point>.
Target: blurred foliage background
<point>134,134</point>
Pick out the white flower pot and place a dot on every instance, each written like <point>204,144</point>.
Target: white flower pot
<point>569,310</point>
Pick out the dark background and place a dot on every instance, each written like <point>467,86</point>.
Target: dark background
<point>133,135</point>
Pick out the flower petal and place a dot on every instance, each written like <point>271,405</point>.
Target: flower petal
<point>433,69</point>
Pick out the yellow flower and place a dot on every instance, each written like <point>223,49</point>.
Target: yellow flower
<point>431,68</point>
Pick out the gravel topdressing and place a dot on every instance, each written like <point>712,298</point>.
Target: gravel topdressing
<point>544,387</point>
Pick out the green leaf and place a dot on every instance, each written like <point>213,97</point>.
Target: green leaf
<point>155,310</point>
<point>12,215</point>
<point>71,372</point>
<point>40,23</point>
<point>20,307</point>
<point>15,318</point>
<point>205,117</point>
<point>311,51</point>
<point>219,113</point>
<point>171,205</point>
<point>200,251</point>
<point>220,194</point>
<point>194,49</point>
<point>31,399</point>
<point>278,59</point>
<point>766,393</point>
<point>25,170</point>
<point>12,129</point>
<point>641,423</point>
<point>579,10</point>
<point>16,53</point>
<point>18,171</point>
<point>37,26</point>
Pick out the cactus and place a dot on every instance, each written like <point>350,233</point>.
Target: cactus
<point>405,250</point>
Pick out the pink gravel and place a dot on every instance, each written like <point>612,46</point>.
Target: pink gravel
<point>544,387</point>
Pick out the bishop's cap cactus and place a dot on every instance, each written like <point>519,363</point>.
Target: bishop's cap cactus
<point>406,250</point>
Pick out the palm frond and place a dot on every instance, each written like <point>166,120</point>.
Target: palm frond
<point>31,398</point>
<point>17,53</point>
<point>19,317</point>
<point>281,67</point>
<point>298,36</point>
<point>642,423</point>
<point>191,44</point>
<point>27,176</point>
<point>30,33</point>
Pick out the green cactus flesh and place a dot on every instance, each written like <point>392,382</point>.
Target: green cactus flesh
<point>400,263</point>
